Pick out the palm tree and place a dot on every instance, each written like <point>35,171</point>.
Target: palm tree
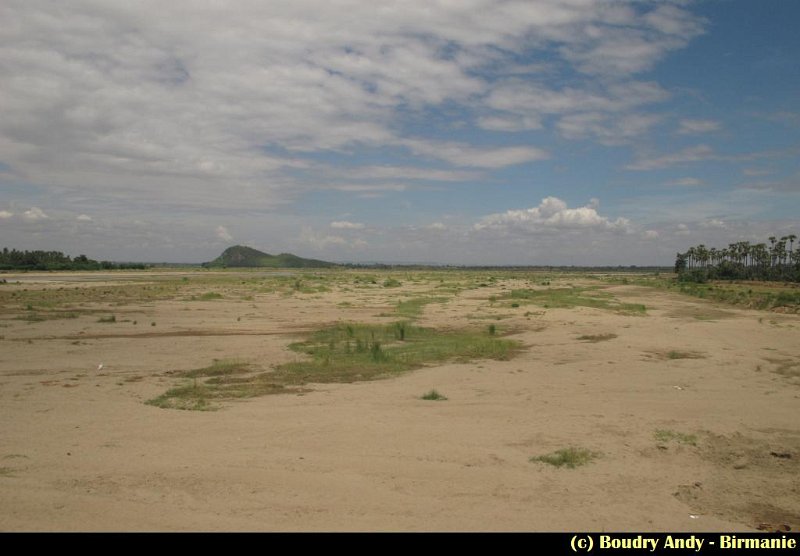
<point>702,255</point>
<point>772,250</point>
<point>691,253</point>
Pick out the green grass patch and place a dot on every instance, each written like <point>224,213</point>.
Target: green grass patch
<point>567,298</point>
<point>208,296</point>
<point>223,380</point>
<point>47,315</point>
<point>7,472</point>
<point>665,435</point>
<point>392,283</point>
<point>192,397</point>
<point>223,367</point>
<point>109,319</point>
<point>342,353</point>
<point>354,352</point>
<point>567,457</point>
<point>412,308</point>
<point>434,396</point>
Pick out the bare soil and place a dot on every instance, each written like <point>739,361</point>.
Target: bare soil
<point>80,450</point>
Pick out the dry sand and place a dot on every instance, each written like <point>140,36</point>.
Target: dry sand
<point>79,450</point>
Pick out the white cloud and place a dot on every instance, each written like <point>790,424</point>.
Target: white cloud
<point>689,154</point>
<point>686,182</point>
<point>345,225</point>
<point>509,123</point>
<point>552,213</point>
<point>323,241</point>
<point>650,234</point>
<point>437,226</point>
<point>644,39</point>
<point>402,172</point>
<point>188,102</point>
<point>369,189</point>
<point>682,230</point>
<point>754,172</point>
<point>713,223</point>
<point>164,108</point>
<point>606,129</point>
<point>521,97</point>
<point>34,214</point>
<point>698,126</point>
<point>83,218</point>
<point>5,214</point>
<point>223,233</point>
<point>460,154</point>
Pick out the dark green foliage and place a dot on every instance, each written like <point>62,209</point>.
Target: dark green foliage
<point>778,261</point>
<point>55,260</point>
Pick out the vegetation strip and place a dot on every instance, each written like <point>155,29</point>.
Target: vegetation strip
<point>566,298</point>
<point>341,353</point>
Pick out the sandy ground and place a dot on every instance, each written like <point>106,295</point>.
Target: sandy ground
<point>79,450</point>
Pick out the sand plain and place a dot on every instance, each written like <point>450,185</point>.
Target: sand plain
<point>690,406</point>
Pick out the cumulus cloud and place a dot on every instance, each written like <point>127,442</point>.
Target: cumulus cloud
<point>698,126</point>
<point>34,214</point>
<point>223,233</point>
<point>553,214</point>
<point>345,225</point>
<point>5,214</point>
<point>650,234</point>
<point>83,218</point>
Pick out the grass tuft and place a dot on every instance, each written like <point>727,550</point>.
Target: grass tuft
<point>433,395</point>
<point>665,435</point>
<point>567,457</point>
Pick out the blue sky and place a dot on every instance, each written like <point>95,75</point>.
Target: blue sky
<point>472,132</point>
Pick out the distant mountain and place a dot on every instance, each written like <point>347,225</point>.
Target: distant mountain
<point>241,256</point>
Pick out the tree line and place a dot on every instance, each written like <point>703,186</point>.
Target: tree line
<point>777,261</point>
<point>56,260</point>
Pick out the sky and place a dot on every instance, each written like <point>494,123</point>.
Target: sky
<point>487,132</point>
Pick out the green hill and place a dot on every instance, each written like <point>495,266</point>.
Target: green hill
<point>247,257</point>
